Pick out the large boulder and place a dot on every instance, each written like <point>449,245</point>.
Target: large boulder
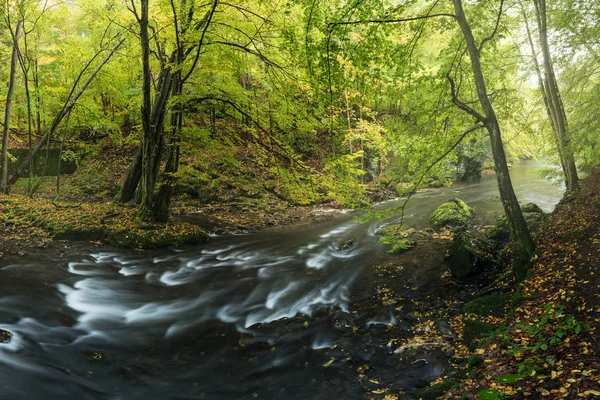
<point>531,208</point>
<point>453,214</point>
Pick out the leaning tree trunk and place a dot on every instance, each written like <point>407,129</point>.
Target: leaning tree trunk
<point>8,109</point>
<point>555,101</point>
<point>519,232</point>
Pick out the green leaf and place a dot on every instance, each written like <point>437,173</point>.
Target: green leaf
<point>490,395</point>
<point>509,378</point>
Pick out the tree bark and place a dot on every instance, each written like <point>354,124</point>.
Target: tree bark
<point>519,232</point>
<point>8,109</point>
<point>540,78</point>
<point>162,201</point>
<point>555,102</point>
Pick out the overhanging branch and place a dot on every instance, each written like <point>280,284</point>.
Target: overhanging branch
<point>390,21</point>
<point>461,105</point>
<point>495,28</point>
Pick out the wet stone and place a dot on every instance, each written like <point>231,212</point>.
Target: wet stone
<point>343,320</point>
<point>444,328</point>
<point>347,245</point>
<point>5,336</point>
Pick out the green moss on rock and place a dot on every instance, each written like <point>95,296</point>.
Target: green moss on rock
<point>453,213</point>
<point>486,305</point>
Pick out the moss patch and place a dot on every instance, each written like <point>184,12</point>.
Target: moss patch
<point>492,304</point>
<point>475,331</point>
<point>453,213</point>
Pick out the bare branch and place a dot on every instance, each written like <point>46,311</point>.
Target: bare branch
<point>495,28</point>
<point>460,104</point>
<point>391,21</point>
<point>206,21</point>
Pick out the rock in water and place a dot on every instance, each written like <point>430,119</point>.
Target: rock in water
<point>531,208</point>
<point>5,336</point>
<point>453,213</point>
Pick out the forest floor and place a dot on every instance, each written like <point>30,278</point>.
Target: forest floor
<point>549,344</point>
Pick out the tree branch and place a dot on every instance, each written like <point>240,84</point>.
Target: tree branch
<point>391,21</point>
<point>495,28</point>
<point>206,21</point>
<point>460,104</point>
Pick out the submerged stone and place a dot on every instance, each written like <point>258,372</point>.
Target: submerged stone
<point>347,245</point>
<point>5,336</point>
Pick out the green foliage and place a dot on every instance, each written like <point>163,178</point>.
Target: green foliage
<point>463,242</point>
<point>550,328</point>
<point>295,188</point>
<point>398,237</point>
<point>342,181</point>
<point>491,395</point>
<point>453,213</point>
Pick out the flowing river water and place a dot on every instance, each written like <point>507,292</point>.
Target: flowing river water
<point>205,322</point>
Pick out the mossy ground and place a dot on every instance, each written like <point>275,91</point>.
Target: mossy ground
<point>83,207</point>
<point>36,222</point>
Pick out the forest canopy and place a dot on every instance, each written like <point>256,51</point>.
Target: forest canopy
<point>310,101</point>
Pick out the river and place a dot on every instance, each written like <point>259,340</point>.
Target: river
<point>242,317</point>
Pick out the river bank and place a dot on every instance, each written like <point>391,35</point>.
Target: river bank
<point>321,302</point>
<point>547,344</point>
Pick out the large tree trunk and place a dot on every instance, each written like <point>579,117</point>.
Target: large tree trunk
<point>8,109</point>
<point>162,200</point>
<point>149,142</point>
<point>518,228</point>
<point>144,169</point>
<point>555,102</point>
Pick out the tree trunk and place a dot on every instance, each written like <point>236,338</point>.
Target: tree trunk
<point>543,91</point>
<point>555,102</point>
<point>519,232</point>
<point>162,201</point>
<point>8,109</point>
<point>132,178</point>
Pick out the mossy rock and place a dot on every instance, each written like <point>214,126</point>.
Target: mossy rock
<point>492,304</point>
<point>475,331</point>
<point>531,208</point>
<point>347,245</point>
<point>453,213</point>
<point>475,361</point>
<point>435,391</point>
<point>463,257</point>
